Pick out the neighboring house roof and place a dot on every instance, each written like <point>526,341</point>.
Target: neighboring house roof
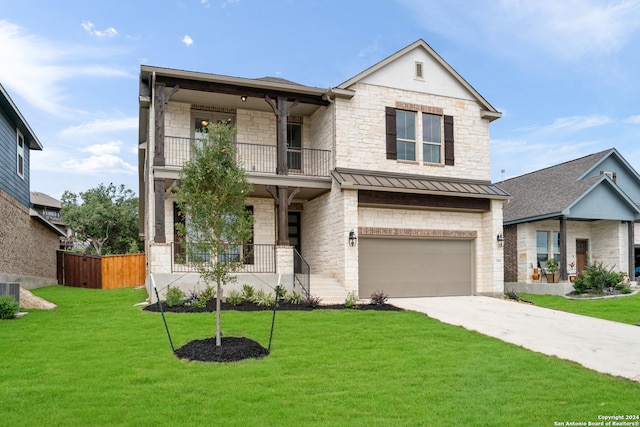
<point>41,199</point>
<point>7,104</point>
<point>50,225</point>
<point>417,184</point>
<point>554,191</point>
<point>489,111</point>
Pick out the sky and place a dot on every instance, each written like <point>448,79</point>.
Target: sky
<point>565,74</point>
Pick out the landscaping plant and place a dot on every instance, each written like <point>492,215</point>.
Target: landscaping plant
<point>8,307</point>
<point>211,196</point>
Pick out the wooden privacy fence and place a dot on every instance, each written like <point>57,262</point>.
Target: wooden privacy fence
<point>101,272</point>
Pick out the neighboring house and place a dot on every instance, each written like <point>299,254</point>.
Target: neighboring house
<point>29,240</point>
<point>379,184</point>
<point>578,211</point>
<point>49,208</point>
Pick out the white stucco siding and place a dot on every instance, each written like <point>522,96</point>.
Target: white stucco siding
<point>401,74</point>
<point>361,133</point>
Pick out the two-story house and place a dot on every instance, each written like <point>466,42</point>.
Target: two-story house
<point>29,240</point>
<point>381,183</point>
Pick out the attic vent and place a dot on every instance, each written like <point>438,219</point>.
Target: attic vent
<point>419,71</point>
<point>611,175</point>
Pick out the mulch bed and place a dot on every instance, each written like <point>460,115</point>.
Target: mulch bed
<point>234,349</point>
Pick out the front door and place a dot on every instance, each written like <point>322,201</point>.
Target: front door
<point>294,230</point>
<point>582,247</point>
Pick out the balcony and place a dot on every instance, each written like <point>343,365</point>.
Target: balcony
<point>258,158</point>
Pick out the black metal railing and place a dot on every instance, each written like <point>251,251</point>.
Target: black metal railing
<point>301,273</point>
<point>257,258</point>
<point>258,158</point>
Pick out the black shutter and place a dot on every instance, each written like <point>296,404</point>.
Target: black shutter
<point>448,141</point>
<point>392,147</point>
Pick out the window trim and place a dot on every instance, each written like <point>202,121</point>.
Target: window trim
<point>20,158</point>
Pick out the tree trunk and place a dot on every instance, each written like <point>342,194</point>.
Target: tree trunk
<point>218,329</point>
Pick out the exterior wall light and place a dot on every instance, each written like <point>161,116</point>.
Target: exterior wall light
<point>353,239</point>
<point>243,98</point>
<point>500,239</point>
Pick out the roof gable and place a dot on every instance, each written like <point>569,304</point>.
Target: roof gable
<point>7,104</point>
<point>603,200</point>
<point>398,70</point>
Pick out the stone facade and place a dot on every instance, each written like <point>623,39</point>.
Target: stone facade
<point>29,247</point>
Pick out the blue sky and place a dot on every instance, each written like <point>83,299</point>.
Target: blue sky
<point>565,74</point>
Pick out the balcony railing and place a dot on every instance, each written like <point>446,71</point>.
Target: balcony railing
<point>258,158</point>
<point>257,258</point>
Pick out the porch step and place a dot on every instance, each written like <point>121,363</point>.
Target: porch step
<point>328,288</point>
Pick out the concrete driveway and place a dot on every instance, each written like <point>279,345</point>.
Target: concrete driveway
<point>604,346</point>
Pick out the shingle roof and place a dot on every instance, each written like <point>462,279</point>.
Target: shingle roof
<point>547,192</point>
<point>41,199</point>
<point>419,184</point>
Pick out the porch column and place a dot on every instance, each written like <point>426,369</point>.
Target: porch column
<point>563,248</point>
<point>281,111</point>
<point>631,270</point>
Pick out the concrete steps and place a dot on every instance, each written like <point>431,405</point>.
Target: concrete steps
<point>328,288</point>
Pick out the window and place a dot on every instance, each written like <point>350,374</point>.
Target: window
<point>294,145</point>
<point>406,134</point>
<point>419,70</point>
<point>547,243</point>
<point>431,138</point>
<point>20,154</point>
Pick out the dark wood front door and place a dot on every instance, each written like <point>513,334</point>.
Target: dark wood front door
<point>294,230</point>
<point>582,247</point>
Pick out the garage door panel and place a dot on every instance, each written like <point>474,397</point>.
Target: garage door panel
<point>415,267</point>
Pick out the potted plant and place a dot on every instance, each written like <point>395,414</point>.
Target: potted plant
<point>552,271</point>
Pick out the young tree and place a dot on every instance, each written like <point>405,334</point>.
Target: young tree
<point>211,195</point>
<point>105,216</point>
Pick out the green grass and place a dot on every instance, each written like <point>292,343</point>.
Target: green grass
<point>98,360</point>
<point>621,309</point>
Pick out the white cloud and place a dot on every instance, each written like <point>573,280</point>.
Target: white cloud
<point>100,126</point>
<point>577,123</point>
<point>112,147</point>
<point>187,40</point>
<point>565,29</point>
<point>36,72</point>
<point>90,28</point>
<point>633,119</point>
<point>99,164</point>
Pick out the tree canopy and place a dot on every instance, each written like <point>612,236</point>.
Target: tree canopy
<point>105,216</point>
<point>212,195</point>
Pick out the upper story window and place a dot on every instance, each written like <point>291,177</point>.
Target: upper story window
<point>406,134</point>
<point>403,125</point>
<point>431,138</point>
<point>20,154</point>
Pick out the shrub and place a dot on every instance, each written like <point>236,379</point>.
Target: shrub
<point>513,294</point>
<point>378,298</point>
<point>293,298</point>
<point>8,307</point>
<point>235,297</point>
<point>175,296</point>
<point>351,301</point>
<point>598,277</point>
<point>248,292</point>
<point>262,298</point>
<point>312,301</point>
<point>208,294</point>
<point>580,285</point>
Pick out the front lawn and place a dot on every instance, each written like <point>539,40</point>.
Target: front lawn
<point>620,309</point>
<point>98,360</point>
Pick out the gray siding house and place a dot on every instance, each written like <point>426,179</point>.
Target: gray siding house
<point>577,212</point>
<point>29,241</point>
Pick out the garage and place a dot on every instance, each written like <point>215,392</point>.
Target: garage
<point>413,267</point>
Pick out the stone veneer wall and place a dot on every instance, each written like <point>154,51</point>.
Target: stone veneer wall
<point>28,253</point>
<point>360,133</point>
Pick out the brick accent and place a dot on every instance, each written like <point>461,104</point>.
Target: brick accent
<point>29,247</point>
<point>410,232</point>
<point>510,233</point>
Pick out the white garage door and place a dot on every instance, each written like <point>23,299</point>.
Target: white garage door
<point>415,267</point>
